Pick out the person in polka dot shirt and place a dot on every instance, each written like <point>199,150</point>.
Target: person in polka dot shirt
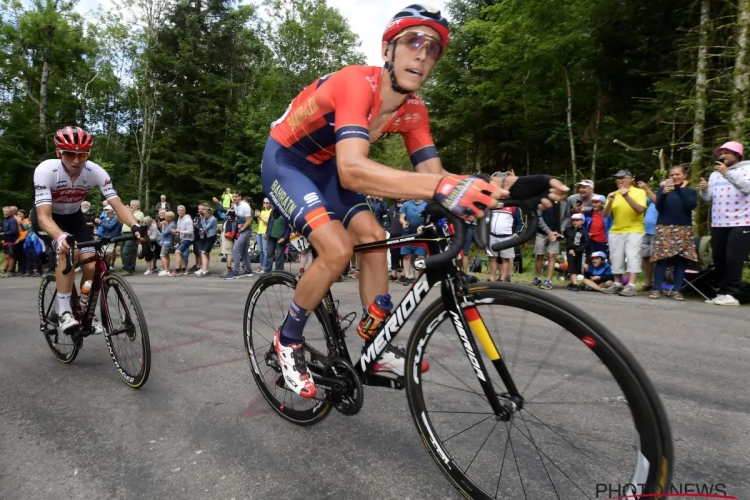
<point>728,188</point>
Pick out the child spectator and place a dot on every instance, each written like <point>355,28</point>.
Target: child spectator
<point>598,227</point>
<point>577,238</point>
<point>411,220</point>
<point>154,237</point>
<point>599,273</point>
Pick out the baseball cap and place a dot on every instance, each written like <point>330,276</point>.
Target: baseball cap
<point>623,173</point>
<point>599,254</point>
<point>107,207</point>
<point>266,200</point>
<point>578,216</point>
<point>599,197</point>
<point>585,182</point>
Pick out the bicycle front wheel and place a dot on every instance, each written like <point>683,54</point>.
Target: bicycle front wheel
<point>126,332</point>
<point>590,423</point>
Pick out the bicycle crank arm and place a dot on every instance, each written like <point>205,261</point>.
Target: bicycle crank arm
<point>381,381</point>
<point>329,384</point>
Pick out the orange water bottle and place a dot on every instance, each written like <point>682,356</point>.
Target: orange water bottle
<point>376,313</point>
<point>85,289</point>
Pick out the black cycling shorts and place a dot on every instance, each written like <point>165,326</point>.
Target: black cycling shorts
<point>74,224</point>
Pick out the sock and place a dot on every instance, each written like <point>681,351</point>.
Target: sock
<point>294,323</point>
<point>63,303</point>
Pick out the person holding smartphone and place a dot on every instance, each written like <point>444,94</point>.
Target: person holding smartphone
<point>728,187</point>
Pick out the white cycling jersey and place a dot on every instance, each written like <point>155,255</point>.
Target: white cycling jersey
<point>53,186</point>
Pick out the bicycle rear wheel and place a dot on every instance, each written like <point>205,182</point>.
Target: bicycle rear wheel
<point>125,329</point>
<point>62,346</point>
<point>591,421</point>
<point>265,309</point>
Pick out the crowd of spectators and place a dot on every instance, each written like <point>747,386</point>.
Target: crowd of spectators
<point>600,243</point>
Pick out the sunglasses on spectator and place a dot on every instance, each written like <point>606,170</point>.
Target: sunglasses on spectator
<point>72,155</point>
<point>415,40</point>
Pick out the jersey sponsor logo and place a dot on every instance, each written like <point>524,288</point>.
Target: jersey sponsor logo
<point>311,199</point>
<point>107,182</point>
<point>373,82</point>
<point>39,187</point>
<point>282,200</point>
<point>397,319</point>
<point>305,111</point>
<point>69,195</point>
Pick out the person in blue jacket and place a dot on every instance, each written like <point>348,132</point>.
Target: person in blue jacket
<point>599,273</point>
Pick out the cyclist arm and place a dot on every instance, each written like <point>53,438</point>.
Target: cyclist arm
<point>360,174</point>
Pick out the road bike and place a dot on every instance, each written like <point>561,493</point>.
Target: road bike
<point>125,329</point>
<point>564,410</point>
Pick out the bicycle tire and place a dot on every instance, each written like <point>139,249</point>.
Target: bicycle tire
<point>44,291</point>
<point>110,283</point>
<point>299,417</point>
<point>645,407</point>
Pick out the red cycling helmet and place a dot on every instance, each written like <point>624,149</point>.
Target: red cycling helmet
<point>73,139</point>
<point>418,15</point>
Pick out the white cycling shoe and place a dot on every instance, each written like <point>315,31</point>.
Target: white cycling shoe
<point>393,362</point>
<point>67,323</point>
<point>293,367</point>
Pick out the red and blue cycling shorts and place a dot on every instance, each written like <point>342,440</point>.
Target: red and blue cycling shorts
<point>308,195</point>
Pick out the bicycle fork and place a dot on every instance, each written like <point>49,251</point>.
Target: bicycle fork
<point>469,320</point>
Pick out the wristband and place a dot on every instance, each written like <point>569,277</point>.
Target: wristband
<point>57,243</point>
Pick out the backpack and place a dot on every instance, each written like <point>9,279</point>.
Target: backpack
<point>230,229</point>
<point>475,266</point>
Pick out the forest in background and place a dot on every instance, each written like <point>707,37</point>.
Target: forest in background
<point>180,94</point>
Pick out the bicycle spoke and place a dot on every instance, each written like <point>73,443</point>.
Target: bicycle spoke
<point>505,453</point>
<point>480,448</point>
<point>518,469</point>
<point>531,438</point>
<point>551,461</point>
<point>483,396</point>
<point>470,427</point>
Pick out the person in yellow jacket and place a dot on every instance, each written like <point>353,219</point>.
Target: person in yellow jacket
<point>226,199</point>
<point>261,244</point>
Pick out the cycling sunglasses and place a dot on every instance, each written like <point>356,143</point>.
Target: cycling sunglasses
<point>72,155</point>
<point>415,40</point>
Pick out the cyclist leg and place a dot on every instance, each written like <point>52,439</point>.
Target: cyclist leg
<point>292,185</point>
<point>73,224</point>
<point>363,228</point>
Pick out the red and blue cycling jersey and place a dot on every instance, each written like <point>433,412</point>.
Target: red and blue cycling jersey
<point>343,105</point>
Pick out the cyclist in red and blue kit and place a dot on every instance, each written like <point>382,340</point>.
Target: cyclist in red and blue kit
<point>316,171</point>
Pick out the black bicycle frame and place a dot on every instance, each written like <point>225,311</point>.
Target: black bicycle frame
<point>101,270</point>
<point>454,300</point>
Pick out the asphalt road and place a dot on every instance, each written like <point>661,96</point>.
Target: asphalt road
<point>200,429</point>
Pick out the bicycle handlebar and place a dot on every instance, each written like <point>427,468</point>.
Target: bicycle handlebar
<point>70,239</point>
<point>457,243</point>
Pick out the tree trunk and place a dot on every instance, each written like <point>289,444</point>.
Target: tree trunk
<point>741,77</point>
<point>596,134</point>
<point>570,124</point>
<point>43,99</point>
<point>701,86</point>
